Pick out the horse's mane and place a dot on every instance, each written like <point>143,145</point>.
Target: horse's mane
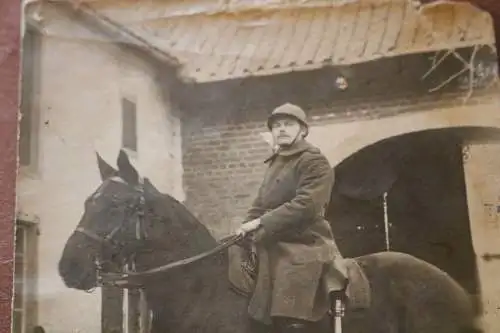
<point>189,230</point>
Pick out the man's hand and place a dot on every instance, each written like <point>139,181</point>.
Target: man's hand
<point>248,227</point>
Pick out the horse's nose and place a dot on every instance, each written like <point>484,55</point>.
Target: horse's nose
<point>71,271</point>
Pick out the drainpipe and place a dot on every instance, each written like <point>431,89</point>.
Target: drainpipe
<point>387,225</point>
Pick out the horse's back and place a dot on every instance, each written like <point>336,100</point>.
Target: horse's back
<point>429,298</point>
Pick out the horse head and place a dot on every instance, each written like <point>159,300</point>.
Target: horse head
<point>122,217</point>
<point>112,220</point>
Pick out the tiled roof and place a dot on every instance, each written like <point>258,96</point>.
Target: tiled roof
<point>218,47</point>
<point>224,45</point>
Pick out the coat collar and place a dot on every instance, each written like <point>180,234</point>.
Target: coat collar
<point>296,148</point>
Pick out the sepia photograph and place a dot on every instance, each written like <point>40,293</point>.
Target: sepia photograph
<point>257,166</point>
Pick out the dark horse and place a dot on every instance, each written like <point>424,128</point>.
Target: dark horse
<point>127,216</point>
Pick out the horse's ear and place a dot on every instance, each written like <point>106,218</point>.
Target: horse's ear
<point>126,169</point>
<point>105,169</point>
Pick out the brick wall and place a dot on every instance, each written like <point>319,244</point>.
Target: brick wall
<point>223,153</point>
<point>223,166</point>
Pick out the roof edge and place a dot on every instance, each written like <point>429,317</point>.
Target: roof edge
<point>227,7</point>
<point>109,27</point>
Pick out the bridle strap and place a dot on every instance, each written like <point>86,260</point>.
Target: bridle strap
<point>94,236</point>
<point>110,236</point>
<point>91,235</point>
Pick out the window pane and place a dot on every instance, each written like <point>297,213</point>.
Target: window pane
<point>17,322</point>
<point>19,267</point>
<point>27,93</point>
<point>129,129</point>
<point>19,241</point>
<point>18,285</point>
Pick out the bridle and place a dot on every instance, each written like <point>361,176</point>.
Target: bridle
<point>139,210</point>
<point>108,240</point>
<point>123,279</point>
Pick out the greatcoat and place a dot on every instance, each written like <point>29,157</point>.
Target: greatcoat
<point>295,245</point>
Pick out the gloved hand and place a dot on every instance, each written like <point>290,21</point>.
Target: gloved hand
<point>248,227</point>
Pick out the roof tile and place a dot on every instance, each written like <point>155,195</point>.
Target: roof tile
<point>329,37</point>
<point>360,34</point>
<point>462,21</point>
<point>348,23</point>
<point>283,42</point>
<point>301,39</point>
<point>222,46</point>
<point>408,30</point>
<point>395,22</point>
<point>315,35</point>
<point>377,29</point>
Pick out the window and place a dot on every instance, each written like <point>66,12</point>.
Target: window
<point>129,125</point>
<point>29,91</point>
<point>24,309</point>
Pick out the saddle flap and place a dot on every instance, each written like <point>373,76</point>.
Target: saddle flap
<point>358,290</point>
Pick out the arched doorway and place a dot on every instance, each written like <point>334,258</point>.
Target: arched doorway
<point>408,193</point>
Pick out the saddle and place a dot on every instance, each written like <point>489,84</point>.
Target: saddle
<point>357,290</point>
<point>243,270</point>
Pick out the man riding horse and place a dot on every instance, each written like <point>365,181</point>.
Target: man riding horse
<point>298,262</point>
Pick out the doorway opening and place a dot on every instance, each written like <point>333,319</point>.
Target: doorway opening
<point>407,194</point>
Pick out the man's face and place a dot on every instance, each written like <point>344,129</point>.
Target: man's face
<point>285,130</point>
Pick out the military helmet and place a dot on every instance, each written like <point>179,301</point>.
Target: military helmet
<point>289,110</point>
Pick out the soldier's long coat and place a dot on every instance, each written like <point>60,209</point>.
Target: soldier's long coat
<point>295,245</point>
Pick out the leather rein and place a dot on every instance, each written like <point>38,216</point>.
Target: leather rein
<point>121,279</point>
<point>124,279</point>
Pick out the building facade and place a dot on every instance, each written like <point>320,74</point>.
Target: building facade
<point>398,98</point>
<point>82,96</point>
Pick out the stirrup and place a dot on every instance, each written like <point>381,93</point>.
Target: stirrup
<point>337,313</point>
<point>337,303</point>
<point>339,308</point>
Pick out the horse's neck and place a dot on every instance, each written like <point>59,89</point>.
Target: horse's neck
<point>173,223</point>
<point>193,295</point>
<point>179,236</point>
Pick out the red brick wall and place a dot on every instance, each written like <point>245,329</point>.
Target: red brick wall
<point>223,166</point>
<point>223,155</point>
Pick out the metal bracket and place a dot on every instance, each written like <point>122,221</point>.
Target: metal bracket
<point>491,256</point>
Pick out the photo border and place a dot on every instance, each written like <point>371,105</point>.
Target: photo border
<point>10,33</point>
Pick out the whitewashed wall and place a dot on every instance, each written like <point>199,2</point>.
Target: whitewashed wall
<point>80,113</point>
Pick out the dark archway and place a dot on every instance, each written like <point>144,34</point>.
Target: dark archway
<point>421,176</point>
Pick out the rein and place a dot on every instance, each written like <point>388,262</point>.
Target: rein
<point>120,279</point>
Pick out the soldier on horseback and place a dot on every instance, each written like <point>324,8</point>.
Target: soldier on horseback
<point>298,263</point>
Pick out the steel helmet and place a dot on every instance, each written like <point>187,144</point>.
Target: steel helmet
<point>288,110</point>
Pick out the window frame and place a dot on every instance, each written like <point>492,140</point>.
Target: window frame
<point>30,92</point>
<point>129,132</point>
<point>28,226</point>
